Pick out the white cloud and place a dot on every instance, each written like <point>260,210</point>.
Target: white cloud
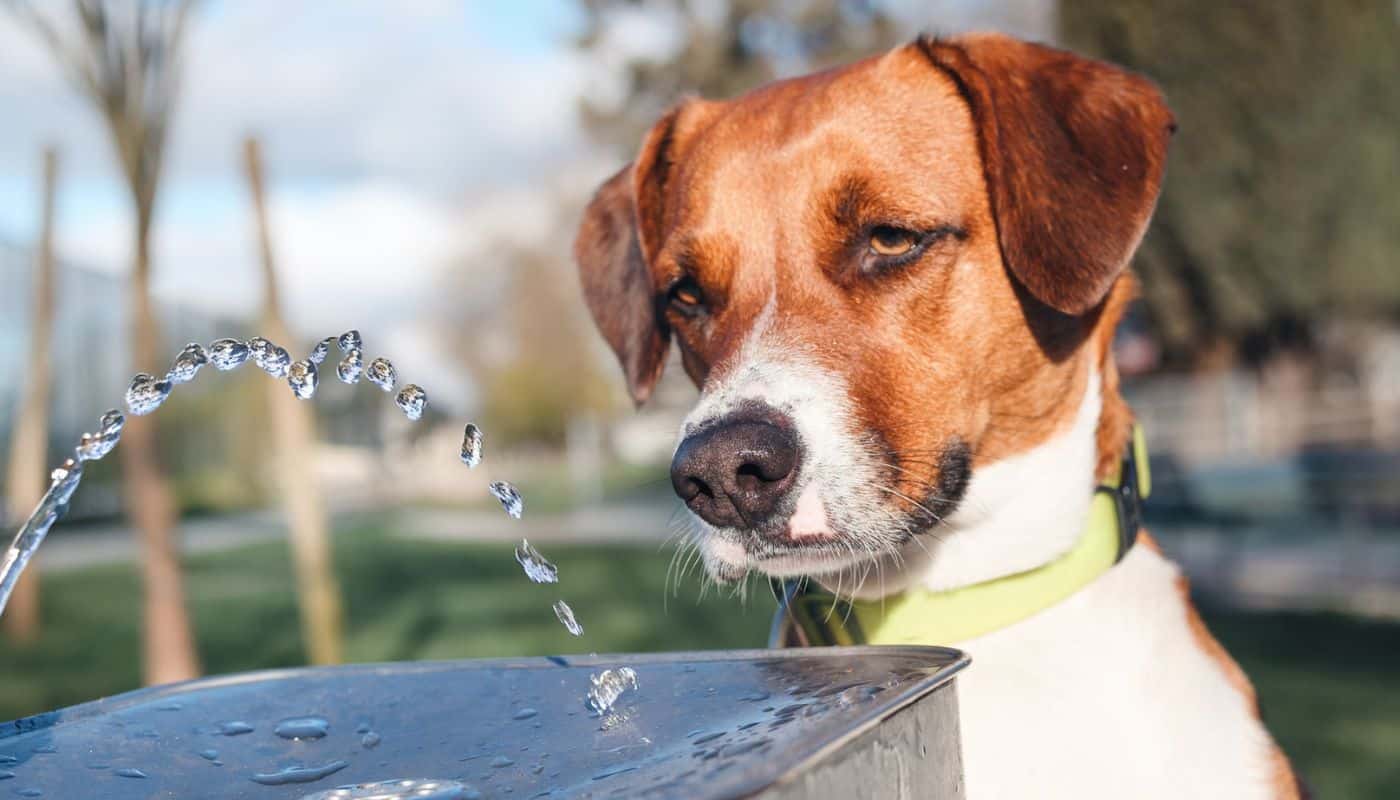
<point>379,125</point>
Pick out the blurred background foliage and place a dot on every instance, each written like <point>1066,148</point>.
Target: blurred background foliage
<point>1280,214</point>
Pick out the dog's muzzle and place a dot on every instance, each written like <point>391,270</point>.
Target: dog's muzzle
<point>738,471</point>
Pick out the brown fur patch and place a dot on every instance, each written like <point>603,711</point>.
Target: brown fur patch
<point>770,197</point>
<point>1074,152</point>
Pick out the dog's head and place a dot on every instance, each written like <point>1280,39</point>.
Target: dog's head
<point>884,278</point>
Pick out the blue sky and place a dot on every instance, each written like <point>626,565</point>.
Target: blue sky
<point>379,129</point>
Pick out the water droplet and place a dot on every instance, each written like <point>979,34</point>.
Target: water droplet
<point>145,394</point>
<point>321,350</point>
<point>30,792</point>
<point>302,728</point>
<point>382,374</point>
<point>566,616</point>
<point>298,774</point>
<point>739,748</point>
<point>234,728</point>
<point>524,713</point>
<point>350,367</point>
<point>187,363</point>
<point>6,758</point>
<point>472,439</point>
<point>509,496</point>
<point>502,761</point>
<point>537,567</point>
<point>111,422</point>
<point>609,685</point>
<point>302,377</point>
<point>6,774</point>
<point>412,399</point>
<point>93,446</point>
<point>709,737</point>
<point>227,354</point>
<point>130,772</point>
<point>209,755</point>
<point>350,340</point>
<point>617,770</point>
<point>370,740</point>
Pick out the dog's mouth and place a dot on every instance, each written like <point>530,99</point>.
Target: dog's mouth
<point>819,538</point>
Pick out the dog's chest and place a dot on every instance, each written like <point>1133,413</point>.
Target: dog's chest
<point>1108,694</point>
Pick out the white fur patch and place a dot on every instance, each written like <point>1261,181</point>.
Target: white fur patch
<point>1020,512</point>
<point>837,470</point>
<point>1108,695</point>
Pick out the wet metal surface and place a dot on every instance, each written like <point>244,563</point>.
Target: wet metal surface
<point>703,725</point>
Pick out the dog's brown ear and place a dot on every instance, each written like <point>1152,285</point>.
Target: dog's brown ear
<point>612,263</point>
<point>617,285</point>
<point>1073,151</point>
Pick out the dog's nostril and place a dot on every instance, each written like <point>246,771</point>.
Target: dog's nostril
<point>695,487</point>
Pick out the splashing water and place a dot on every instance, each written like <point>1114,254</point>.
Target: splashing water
<point>146,393</point>
<point>412,399</point>
<point>471,445</point>
<point>301,376</point>
<point>227,354</point>
<point>350,367</point>
<point>93,446</point>
<point>607,686</point>
<point>63,482</point>
<point>382,374</point>
<point>537,567</point>
<point>321,350</point>
<point>566,617</point>
<point>270,358</point>
<point>509,496</point>
<point>187,363</point>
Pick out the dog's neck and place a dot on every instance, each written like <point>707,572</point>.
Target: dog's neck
<point>1018,514</point>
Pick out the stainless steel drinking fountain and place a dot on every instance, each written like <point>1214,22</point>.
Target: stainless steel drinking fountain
<point>859,722</point>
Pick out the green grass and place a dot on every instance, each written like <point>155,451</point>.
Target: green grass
<point>1330,684</point>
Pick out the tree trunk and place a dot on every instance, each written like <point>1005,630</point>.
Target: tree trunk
<point>29,448</point>
<point>294,442</point>
<point>168,641</point>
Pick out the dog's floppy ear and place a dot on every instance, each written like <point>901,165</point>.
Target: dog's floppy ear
<point>612,262</point>
<point>1073,151</point>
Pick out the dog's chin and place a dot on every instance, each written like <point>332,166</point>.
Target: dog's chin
<point>728,561</point>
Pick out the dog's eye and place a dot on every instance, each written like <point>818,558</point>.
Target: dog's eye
<point>889,241</point>
<point>686,296</point>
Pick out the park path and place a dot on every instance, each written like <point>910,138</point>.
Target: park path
<point>95,544</point>
<point>1354,570</point>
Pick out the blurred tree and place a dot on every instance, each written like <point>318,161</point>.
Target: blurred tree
<point>531,354</point>
<point>125,58</point>
<point>722,48</point>
<point>25,479</point>
<point>1280,209</point>
<point>294,443</point>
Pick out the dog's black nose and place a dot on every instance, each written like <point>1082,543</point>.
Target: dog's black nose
<point>735,473</point>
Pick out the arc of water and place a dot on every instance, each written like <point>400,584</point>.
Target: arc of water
<point>146,394</point>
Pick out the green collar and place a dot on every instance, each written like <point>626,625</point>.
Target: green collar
<point>812,617</point>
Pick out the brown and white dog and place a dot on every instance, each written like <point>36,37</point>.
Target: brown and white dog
<point>896,283</point>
